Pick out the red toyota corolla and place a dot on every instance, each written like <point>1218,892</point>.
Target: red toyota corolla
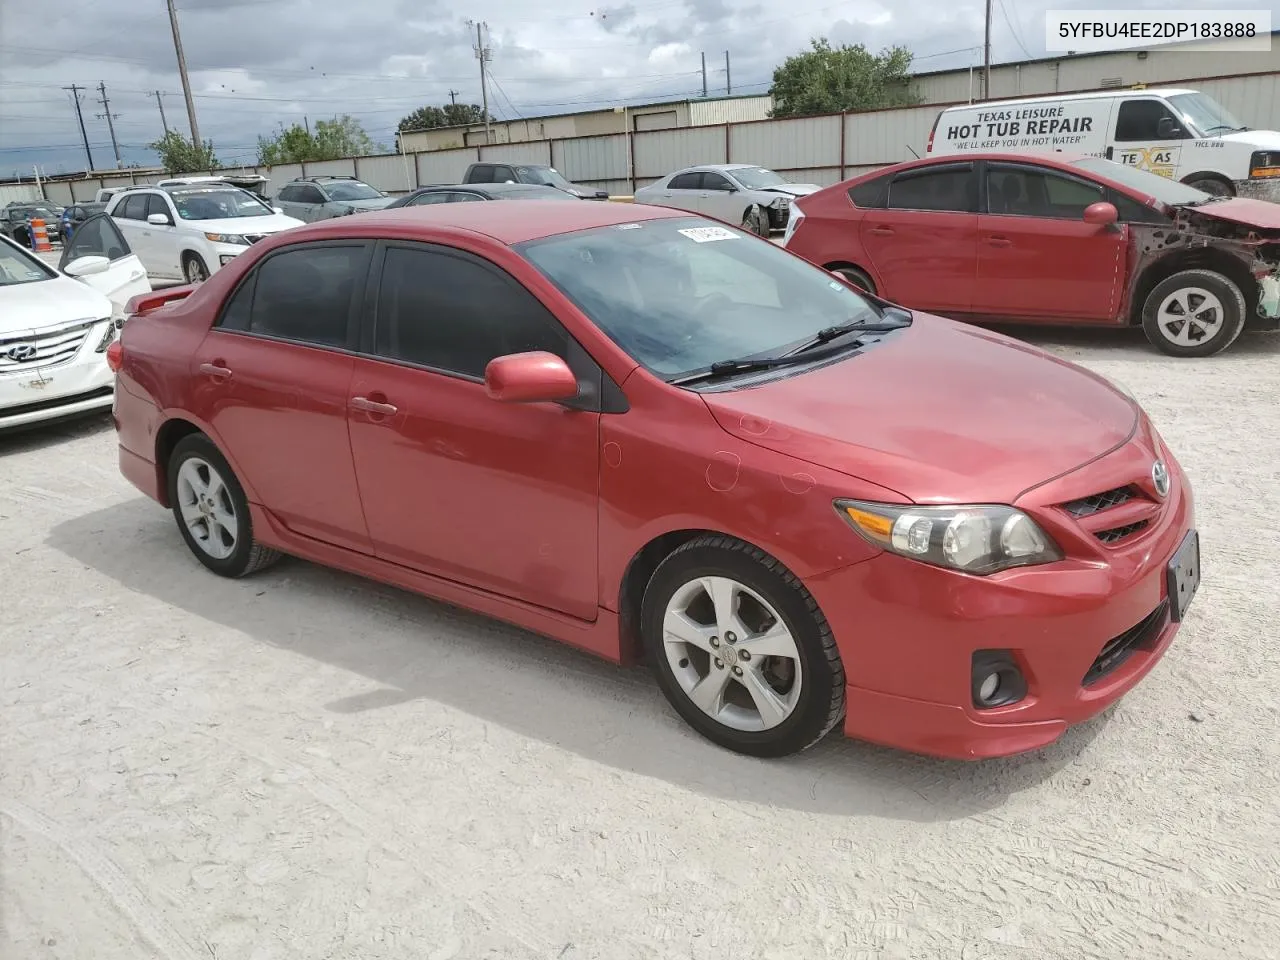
<point>638,431</point>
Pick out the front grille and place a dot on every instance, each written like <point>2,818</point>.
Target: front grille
<point>1119,649</point>
<point>43,348</point>
<point>1088,506</point>
<point>1116,534</point>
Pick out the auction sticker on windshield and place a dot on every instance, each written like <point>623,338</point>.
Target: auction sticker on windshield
<point>708,234</point>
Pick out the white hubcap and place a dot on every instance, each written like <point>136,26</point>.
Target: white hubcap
<point>732,654</point>
<point>1190,316</point>
<point>207,509</point>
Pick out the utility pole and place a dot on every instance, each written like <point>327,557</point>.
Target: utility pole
<point>186,83</point>
<point>453,97</point>
<point>986,58</point>
<point>484,55</point>
<point>728,80</point>
<point>106,106</point>
<point>75,93</point>
<point>163,121</point>
<point>704,73</point>
<point>306,124</point>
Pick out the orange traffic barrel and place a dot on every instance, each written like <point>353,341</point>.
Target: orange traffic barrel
<point>40,234</point>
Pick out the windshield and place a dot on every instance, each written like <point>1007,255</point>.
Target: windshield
<point>1152,184</point>
<point>544,175</point>
<point>679,295</point>
<point>17,266</point>
<point>222,203</point>
<point>350,190</point>
<point>1205,114</point>
<point>756,178</point>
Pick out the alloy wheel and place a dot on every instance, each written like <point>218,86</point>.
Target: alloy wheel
<point>207,508</point>
<point>1190,316</point>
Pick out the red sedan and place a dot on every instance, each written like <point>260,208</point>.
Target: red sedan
<point>641,432</point>
<point>1052,239</point>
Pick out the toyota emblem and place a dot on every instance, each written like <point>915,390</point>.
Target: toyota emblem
<point>1160,477</point>
<point>22,352</point>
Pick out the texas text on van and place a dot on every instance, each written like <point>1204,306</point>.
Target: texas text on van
<point>1180,134</point>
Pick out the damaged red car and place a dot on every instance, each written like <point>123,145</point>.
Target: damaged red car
<point>1052,239</point>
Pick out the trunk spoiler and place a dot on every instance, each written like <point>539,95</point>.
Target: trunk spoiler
<point>145,303</point>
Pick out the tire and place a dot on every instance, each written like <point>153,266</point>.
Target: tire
<point>1213,186</point>
<point>757,221</point>
<point>857,278</point>
<point>193,268</point>
<point>805,676</point>
<point>1210,296</point>
<point>218,530</point>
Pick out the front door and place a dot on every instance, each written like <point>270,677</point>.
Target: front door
<point>1037,258</point>
<point>1150,136</point>
<point>500,496</point>
<point>273,377</point>
<point>720,199</point>
<point>124,278</point>
<point>923,243</point>
<point>130,216</point>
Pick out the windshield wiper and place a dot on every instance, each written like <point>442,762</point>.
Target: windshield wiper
<point>827,334</point>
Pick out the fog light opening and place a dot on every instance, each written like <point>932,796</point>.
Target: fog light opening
<point>996,680</point>
<point>989,688</point>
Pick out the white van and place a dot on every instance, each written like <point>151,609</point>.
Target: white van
<point>1180,134</point>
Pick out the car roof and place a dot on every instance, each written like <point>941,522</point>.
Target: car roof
<point>1096,95</point>
<point>510,223</point>
<point>1055,159</point>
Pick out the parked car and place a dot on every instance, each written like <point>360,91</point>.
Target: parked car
<point>105,194</point>
<point>318,198</point>
<point>15,220</point>
<point>1012,238</point>
<point>631,428</point>
<point>56,325</point>
<point>452,193</point>
<point>757,198</point>
<point>254,182</point>
<point>77,214</point>
<point>190,232</point>
<point>538,174</point>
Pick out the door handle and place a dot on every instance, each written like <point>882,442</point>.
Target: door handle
<point>372,406</point>
<point>881,231</point>
<point>216,370</point>
<point>999,242</point>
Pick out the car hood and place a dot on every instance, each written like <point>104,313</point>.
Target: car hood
<point>1261,139</point>
<point>1260,214</point>
<point>47,303</point>
<point>791,189</point>
<point>251,225</point>
<point>940,412</point>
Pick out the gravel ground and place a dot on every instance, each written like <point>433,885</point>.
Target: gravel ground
<point>305,765</point>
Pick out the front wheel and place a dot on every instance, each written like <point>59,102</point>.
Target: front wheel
<point>757,221</point>
<point>1212,186</point>
<point>1194,313</point>
<point>741,650</point>
<point>194,270</point>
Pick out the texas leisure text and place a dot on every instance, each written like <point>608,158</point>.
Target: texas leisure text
<point>1028,126</point>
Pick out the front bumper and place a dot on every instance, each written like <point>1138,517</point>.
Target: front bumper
<point>81,384</point>
<point>778,217</point>
<point>1266,188</point>
<point>907,633</point>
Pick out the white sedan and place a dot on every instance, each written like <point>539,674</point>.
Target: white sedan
<point>757,198</point>
<point>56,325</point>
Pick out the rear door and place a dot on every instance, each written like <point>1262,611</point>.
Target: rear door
<point>124,278</point>
<point>683,191</point>
<point>1037,258</point>
<point>923,243</point>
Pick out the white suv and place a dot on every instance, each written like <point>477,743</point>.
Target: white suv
<point>188,232</point>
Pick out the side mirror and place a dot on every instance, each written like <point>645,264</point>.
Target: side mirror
<point>1101,214</point>
<point>277,209</point>
<point>1168,129</point>
<point>159,220</point>
<point>87,266</point>
<point>537,377</point>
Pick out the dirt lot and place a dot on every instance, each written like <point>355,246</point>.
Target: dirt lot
<point>305,765</point>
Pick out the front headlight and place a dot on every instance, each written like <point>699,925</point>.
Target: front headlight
<point>781,203</point>
<point>108,335</point>
<point>232,238</point>
<point>978,539</point>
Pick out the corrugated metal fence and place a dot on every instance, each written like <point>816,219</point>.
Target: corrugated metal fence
<point>821,150</point>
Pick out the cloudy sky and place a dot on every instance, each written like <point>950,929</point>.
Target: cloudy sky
<point>255,64</point>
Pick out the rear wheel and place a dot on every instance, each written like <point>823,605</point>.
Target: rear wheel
<point>212,511</point>
<point>741,650</point>
<point>856,277</point>
<point>193,268</point>
<point>1194,313</point>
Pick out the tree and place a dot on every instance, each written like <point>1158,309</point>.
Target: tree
<point>449,115</point>
<point>177,155</point>
<point>332,140</point>
<point>830,79</point>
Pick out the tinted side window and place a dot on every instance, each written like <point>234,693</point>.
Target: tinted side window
<point>436,197</point>
<point>685,181</point>
<point>455,314</point>
<point>157,204</point>
<point>310,194</point>
<point>1140,120</point>
<point>133,207</point>
<point>481,173</point>
<point>307,294</point>
<point>948,190</point>
<point>870,195</point>
<point>97,237</point>
<point>287,194</point>
<point>1131,211</point>
<point>713,181</point>
<point>1032,192</point>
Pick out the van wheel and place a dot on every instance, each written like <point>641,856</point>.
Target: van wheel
<point>1212,186</point>
<point>1194,313</point>
<point>193,268</point>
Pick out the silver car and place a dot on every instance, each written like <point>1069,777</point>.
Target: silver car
<point>753,196</point>
<point>318,198</point>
